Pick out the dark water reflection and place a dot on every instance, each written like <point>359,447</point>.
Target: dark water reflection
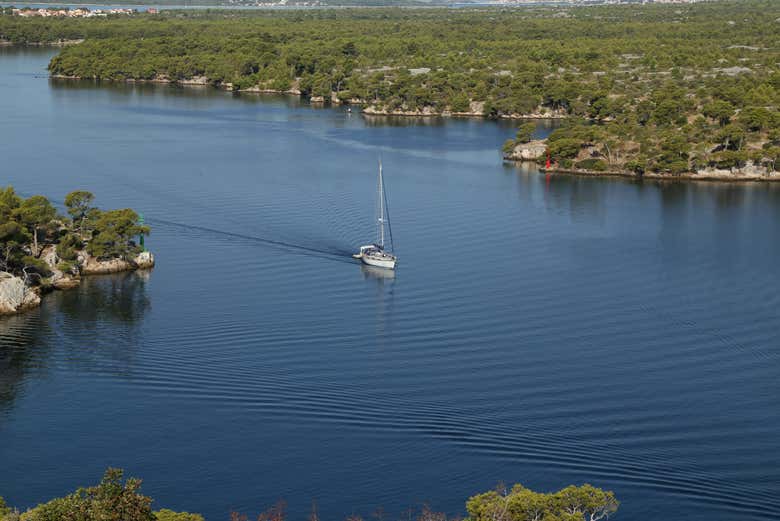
<point>19,337</point>
<point>73,324</point>
<point>542,329</point>
<point>119,298</point>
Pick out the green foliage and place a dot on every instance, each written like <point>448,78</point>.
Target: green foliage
<point>585,503</point>
<point>114,499</point>
<point>32,265</point>
<point>565,148</point>
<point>509,146</point>
<point>170,515</point>
<point>36,213</point>
<point>9,202</point>
<point>460,102</point>
<point>672,156</point>
<point>79,205</point>
<point>13,237</point>
<point>668,112</point>
<point>719,110</point>
<point>593,164</point>
<point>731,159</point>
<point>114,233</point>
<point>66,266</point>
<point>755,118</point>
<point>525,132</point>
<point>731,137</point>
<point>68,246</point>
<point>4,509</point>
<point>638,166</point>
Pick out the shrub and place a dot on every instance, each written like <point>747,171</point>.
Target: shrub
<point>638,166</point>
<point>37,266</point>
<point>525,132</point>
<point>592,163</point>
<point>170,515</point>
<point>509,146</point>
<point>4,509</point>
<point>114,232</point>
<point>731,159</point>
<point>566,148</point>
<point>111,500</point>
<point>67,248</point>
<point>520,504</point>
<point>460,103</point>
<point>65,266</point>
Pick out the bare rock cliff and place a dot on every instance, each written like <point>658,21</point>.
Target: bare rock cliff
<point>14,295</point>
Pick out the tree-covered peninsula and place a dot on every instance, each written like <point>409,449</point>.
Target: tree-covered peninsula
<point>119,499</point>
<point>644,89</point>
<point>41,250</point>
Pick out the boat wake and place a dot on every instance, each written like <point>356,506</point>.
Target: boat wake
<point>337,253</point>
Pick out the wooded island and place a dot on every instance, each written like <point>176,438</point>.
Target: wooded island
<point>660,89</point>
<point>41,250</point>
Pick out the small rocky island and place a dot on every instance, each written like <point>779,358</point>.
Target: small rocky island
<point>42,250</point>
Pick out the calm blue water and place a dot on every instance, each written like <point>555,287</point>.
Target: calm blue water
<point>539,330</point>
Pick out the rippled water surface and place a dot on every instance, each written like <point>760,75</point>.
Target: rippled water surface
<point>538,330</point>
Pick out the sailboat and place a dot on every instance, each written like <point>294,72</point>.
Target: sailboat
<point>375,254</point>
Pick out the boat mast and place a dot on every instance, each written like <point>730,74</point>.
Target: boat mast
<point>381,220</point>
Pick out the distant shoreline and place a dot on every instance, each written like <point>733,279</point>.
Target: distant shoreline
<point>59,43</point>
<point>368,109</point>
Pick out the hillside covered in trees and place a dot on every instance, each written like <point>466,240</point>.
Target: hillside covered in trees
<point>658,88</point>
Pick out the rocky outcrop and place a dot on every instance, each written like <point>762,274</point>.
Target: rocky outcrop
<point>93,266</point>
<point>144,260</point>
<point>15,296</point>
<point>195,80</point>
<point>373,110</point>
<point>530,151</point>
<point>539,113</point>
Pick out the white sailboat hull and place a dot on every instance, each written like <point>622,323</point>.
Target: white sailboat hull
<point>379,263</point>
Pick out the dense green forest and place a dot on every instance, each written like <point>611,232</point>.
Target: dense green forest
<point>119,499</point>
<point>657,88</point>
<point>30,226</point>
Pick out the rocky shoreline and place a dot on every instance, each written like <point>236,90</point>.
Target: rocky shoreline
<point>534,151</point>
<point>55,43</point>
<point>476,108</point>
<point>718,175</point>
<point>16,296</point>
<point>476,111</point>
